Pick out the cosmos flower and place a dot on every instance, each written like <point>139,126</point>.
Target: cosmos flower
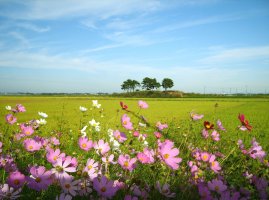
<point>120,136</point>
<point>244,123</point>
<point>220,126</point>
<point>8,107</point>
<point>16,179</point>
<point>123,106</point>
<point>126,122</point>
<point>27,130</point>
<point>64,196</point>
<point>7,192</point>
<point>11,119</point>
<point>41,121</point>
<point>215,135</point>
<point>208,125</point>
<point>95,104</point>
<point>19,108</point>
<point>217,185</point>
<point>195,116</point>
<point>62,167</point>
<point>214,165</point>
<point>142,104</point>
<point>91,168</point>
<point>69,185</point>
<point>105,187</point>
<point>161,126</point>
<point>85,144</point>
<point>31,145</point>
<point>101,147</point>
<point>52,156</point>
<point>83,131</point>
<point>165,190</point>
<point>83,109</point>
<point>126,162</point>
<point>168,154</point>
<point>39,179</point>
<point>42,114</point>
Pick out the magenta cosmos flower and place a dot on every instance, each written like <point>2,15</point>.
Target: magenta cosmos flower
<point>32,145</point>
<point>101,147</point>
<point>16,179</point>
<point>142,104</point>
<point>104,187</point>
<point>39,179</point>
<point>10,119</point>
<point>62,167</point>
<point>126,123</point>
<point>168,154</point>
<point>220,126</point>
<point>195,116</point>
<point>146,157</point>
<point>52,156</point>
<point>19,108</point>
<point>85,144</point>
<point>217,185</point>
<point>126,162</point>
<point>120,136</point>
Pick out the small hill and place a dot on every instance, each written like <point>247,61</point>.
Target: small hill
<point>150,94</point>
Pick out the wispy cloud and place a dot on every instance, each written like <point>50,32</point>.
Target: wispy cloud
<point>18,36</point>
<point>40,10</point>
<point>33,27</point>
<point>238,54</point>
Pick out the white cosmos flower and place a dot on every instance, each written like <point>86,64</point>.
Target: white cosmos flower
<point>83,131</point>
<point>42,114</point>
<point>8,107</point>
<point>41,121</point>
<point>83,109</point>
<point>94,123</point>
<point>96,104</point>
<point>142,125</point>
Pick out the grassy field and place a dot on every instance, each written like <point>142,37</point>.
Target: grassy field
<point>65,121</point>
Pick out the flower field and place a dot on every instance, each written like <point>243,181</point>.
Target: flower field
<point>84,148</point>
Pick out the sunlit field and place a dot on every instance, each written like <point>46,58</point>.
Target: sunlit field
<point>77,148</point>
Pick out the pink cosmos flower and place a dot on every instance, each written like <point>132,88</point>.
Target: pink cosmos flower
<point>19,108</point>
<point>109,159</point>
<point>126,162</point>
<point>62,167</point>
<point>39,179</point>
<point>31,145</point>
<point>126,122</point>
<point>161,126</point>
<point>142,104</point>
<point>220,126</point>
<point>52,156</point>
<point>165,190</point>
<point>69,185</point>
<point>146,157</point>
<point>104,187</point>
<point>7,192</point>
<point>205,133</point>
<point>136,133</point>
<point>101,147</point>
<point>27,130</point>
<point>120,136</point>
<point>54,141</point>
<point>214,165</point>
<point>217,185</point>
<point>168,154</point>
<point>215,135</point>
<point>16,179</point>
<point>205,156</point>
<point>85,144</point>
<point>195,116</point>
<point>91,168</point>
<point>10,119</point>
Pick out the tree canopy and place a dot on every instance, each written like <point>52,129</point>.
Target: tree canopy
<point>167,83</point>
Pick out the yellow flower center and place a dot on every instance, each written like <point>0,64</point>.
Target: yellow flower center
<point>30,147</point>
<point>89,167</point>
<point>84,145</point>
<point>38,180</point>
<point>67,186</point>
<point>124,122</point>
<point>217,188</point>
<point>126,164</point>
<point>16,182</point>
<point>166,156</point>
<point>205,157</point>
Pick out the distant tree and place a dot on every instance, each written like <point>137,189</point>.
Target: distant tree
<point>167,83</point>
<point>130,85</point>
<point>150,83</point>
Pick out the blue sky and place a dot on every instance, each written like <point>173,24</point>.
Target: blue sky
<point>93,46</point>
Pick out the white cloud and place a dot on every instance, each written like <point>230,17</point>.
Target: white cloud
<point>238,54</point>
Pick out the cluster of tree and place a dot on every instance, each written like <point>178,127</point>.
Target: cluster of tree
<point>147,84</point>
